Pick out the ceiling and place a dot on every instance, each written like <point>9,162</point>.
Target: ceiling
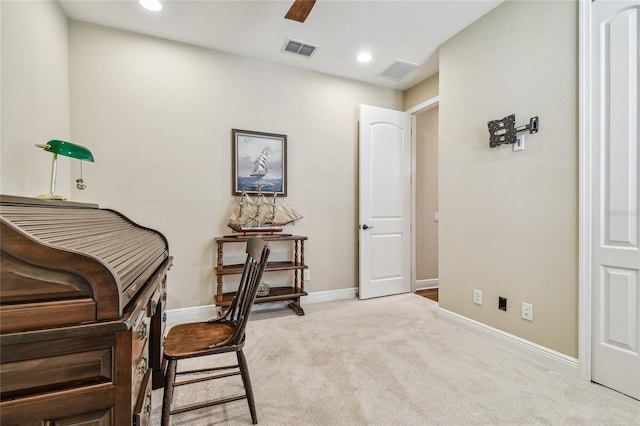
<point>406,30</point>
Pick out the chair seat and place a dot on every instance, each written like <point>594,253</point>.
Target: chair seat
<point>192,339</point>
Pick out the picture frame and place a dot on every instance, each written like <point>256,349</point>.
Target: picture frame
<point>259,162</point>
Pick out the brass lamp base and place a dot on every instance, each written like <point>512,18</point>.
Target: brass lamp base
<point>51,196</point>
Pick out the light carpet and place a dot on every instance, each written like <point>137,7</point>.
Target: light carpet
<point>390,361</point>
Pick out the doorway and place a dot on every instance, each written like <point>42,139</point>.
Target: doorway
<point>380,277</point>
<point>425,198</point>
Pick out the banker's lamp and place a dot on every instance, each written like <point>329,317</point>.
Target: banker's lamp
<point>67,149</point>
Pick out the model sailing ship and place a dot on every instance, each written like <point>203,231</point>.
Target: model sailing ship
<point>257,213</point>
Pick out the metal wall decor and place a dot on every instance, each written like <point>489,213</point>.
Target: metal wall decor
<point>504,130</point>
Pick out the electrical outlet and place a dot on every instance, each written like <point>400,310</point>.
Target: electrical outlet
<point>307,275</point>
<point>519,145</point>
<point>527,311</point>
<point>502,303</point>
<point>477,297</point>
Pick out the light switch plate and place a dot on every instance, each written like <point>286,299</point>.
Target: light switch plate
<point>477,296</point>
<point>519,145</point>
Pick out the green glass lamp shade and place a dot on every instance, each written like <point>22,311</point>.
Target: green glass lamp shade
<point>68,149</point>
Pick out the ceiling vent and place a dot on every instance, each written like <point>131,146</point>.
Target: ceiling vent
<point>398,69</point>
<point>298,48</point>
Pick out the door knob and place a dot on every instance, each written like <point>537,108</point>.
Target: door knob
<point>365,227</point>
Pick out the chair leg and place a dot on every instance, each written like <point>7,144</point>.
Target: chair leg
<point>244,370</point>
<point>169,379</point>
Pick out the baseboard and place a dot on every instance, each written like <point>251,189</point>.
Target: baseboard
<point>552,359</point>
<point>195,313</point>
<point>203,313</point>
<point>427,284</point>
<point>329,296</point>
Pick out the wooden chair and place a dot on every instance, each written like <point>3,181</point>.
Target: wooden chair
<point>220,335</point>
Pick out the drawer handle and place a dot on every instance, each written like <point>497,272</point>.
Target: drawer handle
<point>164,296</point>
<point>143,332</point>
<point>152,307</point>
<point>148,407</point>
<point>164,317</point>
<point>142,367</point>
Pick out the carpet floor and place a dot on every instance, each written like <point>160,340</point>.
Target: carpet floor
<point>390,361</point>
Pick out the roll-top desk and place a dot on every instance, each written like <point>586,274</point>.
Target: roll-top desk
<point>82,293</point>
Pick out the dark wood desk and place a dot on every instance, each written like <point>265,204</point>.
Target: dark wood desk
<point>82,301</point>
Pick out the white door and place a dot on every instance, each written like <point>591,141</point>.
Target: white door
<point>385,202</point>
<point>616,255</point>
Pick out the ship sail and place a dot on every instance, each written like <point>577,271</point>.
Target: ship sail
<point>244,211</point>
<point>262,164</point>
<point>285,214</point>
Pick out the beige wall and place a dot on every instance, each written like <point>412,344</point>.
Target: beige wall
<point>426,195</point>
<point>421,92</point>
<point>508,220</point>
<point>158,116</point>
<point>34,95</point>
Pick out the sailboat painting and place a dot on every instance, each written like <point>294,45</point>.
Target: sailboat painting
<point>259,163</point>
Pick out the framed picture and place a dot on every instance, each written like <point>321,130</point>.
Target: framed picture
<point>259,162</point>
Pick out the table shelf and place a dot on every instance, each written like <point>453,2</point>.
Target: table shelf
<point>276,294</point>
<point>271,266</point>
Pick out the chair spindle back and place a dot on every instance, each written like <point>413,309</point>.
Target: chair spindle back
<point>257,255</point>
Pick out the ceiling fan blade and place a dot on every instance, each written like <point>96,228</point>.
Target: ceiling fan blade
<point>299,10</point>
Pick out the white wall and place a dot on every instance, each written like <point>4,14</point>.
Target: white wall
<point>158,117</point>
<point>34,95</point>
<point>508,220</point>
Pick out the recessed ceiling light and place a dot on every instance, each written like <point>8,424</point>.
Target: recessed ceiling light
<point>152,5</point>
<point>364,57</point>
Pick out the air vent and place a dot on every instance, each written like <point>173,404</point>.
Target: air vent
<point>298,48</point>
<point>398,69</point>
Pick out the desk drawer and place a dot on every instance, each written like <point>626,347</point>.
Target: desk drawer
<point>53,365</point>
<point>87,405</point>
<point>140,338</point>
<point>139,368</point>
<point>139,353</point>
<point>142,409</point>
